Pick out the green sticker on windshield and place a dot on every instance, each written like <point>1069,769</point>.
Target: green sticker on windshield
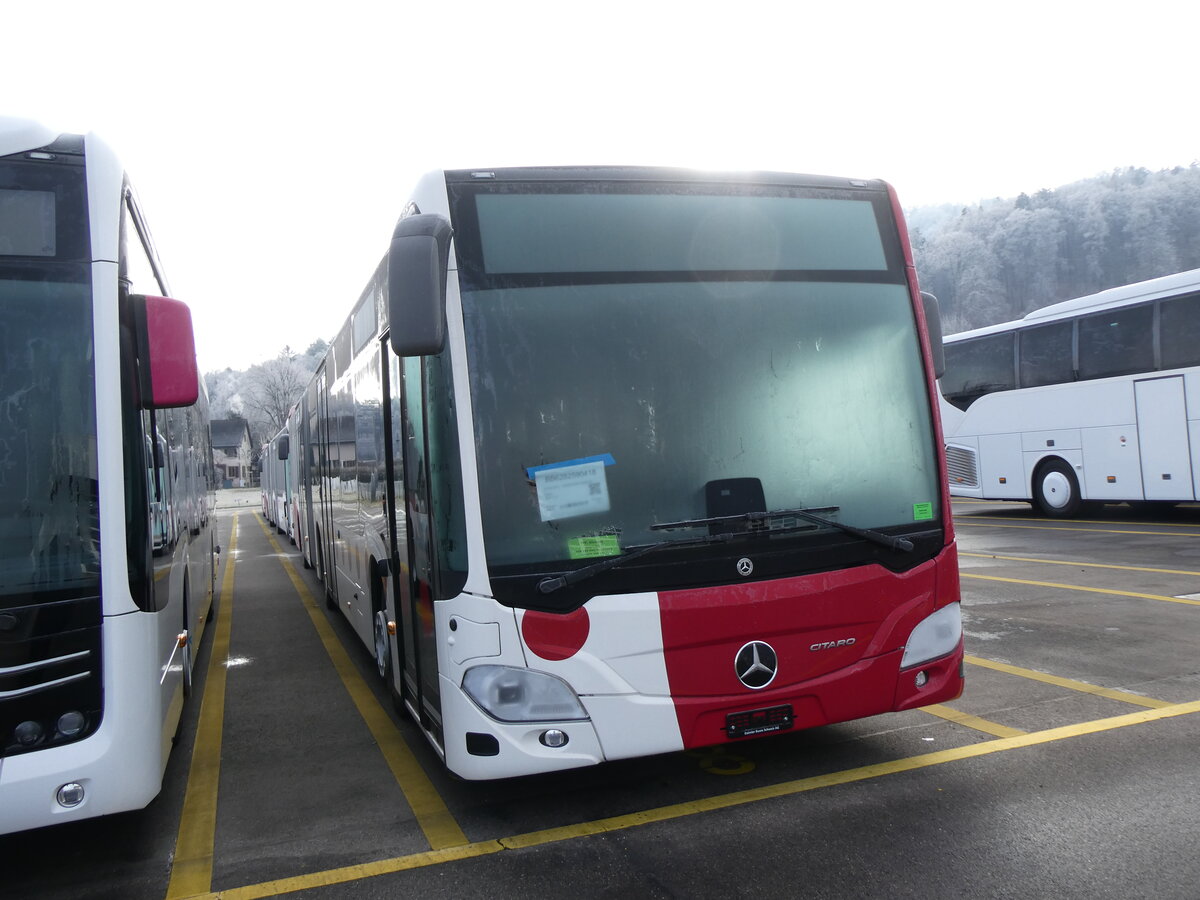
<point>922,511</point>
<point>596,545</point>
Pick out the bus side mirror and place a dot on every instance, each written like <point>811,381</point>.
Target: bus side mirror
<point>933,322</point>
<point>417,264</point>
<point>166,351</point>
<point>282,448</point>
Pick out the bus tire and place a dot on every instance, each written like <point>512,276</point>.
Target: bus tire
<point>1056,490</point>
<point>383,647</point>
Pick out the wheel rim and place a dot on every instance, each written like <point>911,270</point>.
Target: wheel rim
<point>1056,490</point>
<point>381,644</point>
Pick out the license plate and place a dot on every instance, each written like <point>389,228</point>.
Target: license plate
<point>758,721</point>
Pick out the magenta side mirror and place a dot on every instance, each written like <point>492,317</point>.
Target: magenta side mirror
<point>166,352</point>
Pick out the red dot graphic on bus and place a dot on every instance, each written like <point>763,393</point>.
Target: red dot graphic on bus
<point>553,636</point>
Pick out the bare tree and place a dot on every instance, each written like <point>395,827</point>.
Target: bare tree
<point>270,389</point>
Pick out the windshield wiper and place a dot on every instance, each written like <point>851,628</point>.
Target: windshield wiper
<point>760,519</point>
<point>552,583</point>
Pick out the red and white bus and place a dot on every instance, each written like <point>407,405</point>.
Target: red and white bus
<point>106,544</point>
<point>614,462</point>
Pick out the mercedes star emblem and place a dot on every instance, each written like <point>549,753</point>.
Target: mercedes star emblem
<point>745,566</point>
<point>756,665</point>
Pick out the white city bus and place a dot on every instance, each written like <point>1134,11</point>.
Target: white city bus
<point>1093,399</point>
<point>106,547</point>
<point>277,483</point>
<point>613,462</point>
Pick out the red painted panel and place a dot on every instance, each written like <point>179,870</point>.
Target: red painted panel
<point>553,636</point>
<point>876,609</point>
<point>704,629</point>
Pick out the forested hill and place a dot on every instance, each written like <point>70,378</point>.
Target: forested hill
<point>998,260</point>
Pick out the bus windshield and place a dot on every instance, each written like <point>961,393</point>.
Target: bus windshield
<point>49,519</point>
<point>647,357</point>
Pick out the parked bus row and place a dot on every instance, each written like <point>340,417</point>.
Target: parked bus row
<point>614,462</point>
<point>106,543</point>
<point>1095,399</point>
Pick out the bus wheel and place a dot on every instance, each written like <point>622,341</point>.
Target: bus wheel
<point>383,647</point>
<point>1056,490</point>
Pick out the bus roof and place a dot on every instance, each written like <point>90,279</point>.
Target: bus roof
<point>655,173</point>
<point>1152,289</point>
<point>17,135</point>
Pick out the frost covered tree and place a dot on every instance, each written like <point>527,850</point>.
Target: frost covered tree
<point>268,390</point>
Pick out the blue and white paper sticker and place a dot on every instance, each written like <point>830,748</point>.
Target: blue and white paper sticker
<point>574,489</point>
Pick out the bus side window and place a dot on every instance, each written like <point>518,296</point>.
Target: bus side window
<point>1118,342</point>
<point>1046,355</point>
<point>978,367</point>
<point>1180,332</point>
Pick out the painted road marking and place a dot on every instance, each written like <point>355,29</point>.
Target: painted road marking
<point>191,867</point>
<point>1089,590</point>
<point>1088,521</point>
<point>439,826</point>
<point>1084,565</point>
<point>1082,686</point>
<point>708,804</point>
<point>959,523</point>
<point>970,721</point>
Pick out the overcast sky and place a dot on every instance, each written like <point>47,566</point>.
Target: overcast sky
<point>273,144</point>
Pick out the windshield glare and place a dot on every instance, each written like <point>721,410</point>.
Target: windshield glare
<point>601,409</point>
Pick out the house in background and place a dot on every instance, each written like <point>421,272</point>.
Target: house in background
<point>231,452</point>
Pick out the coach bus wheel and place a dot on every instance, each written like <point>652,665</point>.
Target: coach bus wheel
<point>383,647</point>
<point>1056,490</point>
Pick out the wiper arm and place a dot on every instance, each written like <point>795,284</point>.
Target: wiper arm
<point>552,583</point>
<point>808,514</point>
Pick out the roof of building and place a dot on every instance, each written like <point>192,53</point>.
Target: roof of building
<point>229,433</point>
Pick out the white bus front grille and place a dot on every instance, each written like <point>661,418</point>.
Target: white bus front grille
<point>962,466</point>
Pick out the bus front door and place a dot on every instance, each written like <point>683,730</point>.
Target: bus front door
<point>413,522</point>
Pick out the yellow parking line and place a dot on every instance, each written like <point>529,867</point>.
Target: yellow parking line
<point>191,868</point>
<point>1091,521</point>
<point>960,523</point>
<point>707,804</point>
<point>1089,590</point>
<point>970,721</point>
<point>1082,565</point>
<point>441,830</point>
<point>1071,684</point>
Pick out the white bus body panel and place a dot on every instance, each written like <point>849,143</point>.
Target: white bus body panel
<point>619,675</point>
<point>120,766</point>
<point>1001,468</point>
<point>1163,439</point>
<point>1122,435</point>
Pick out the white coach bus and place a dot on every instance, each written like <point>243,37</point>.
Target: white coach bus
<point>1093,399</point>
<point>106,546</point>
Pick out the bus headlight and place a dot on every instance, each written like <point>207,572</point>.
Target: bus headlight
<point>937,635</point>
<point>521,695</point>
